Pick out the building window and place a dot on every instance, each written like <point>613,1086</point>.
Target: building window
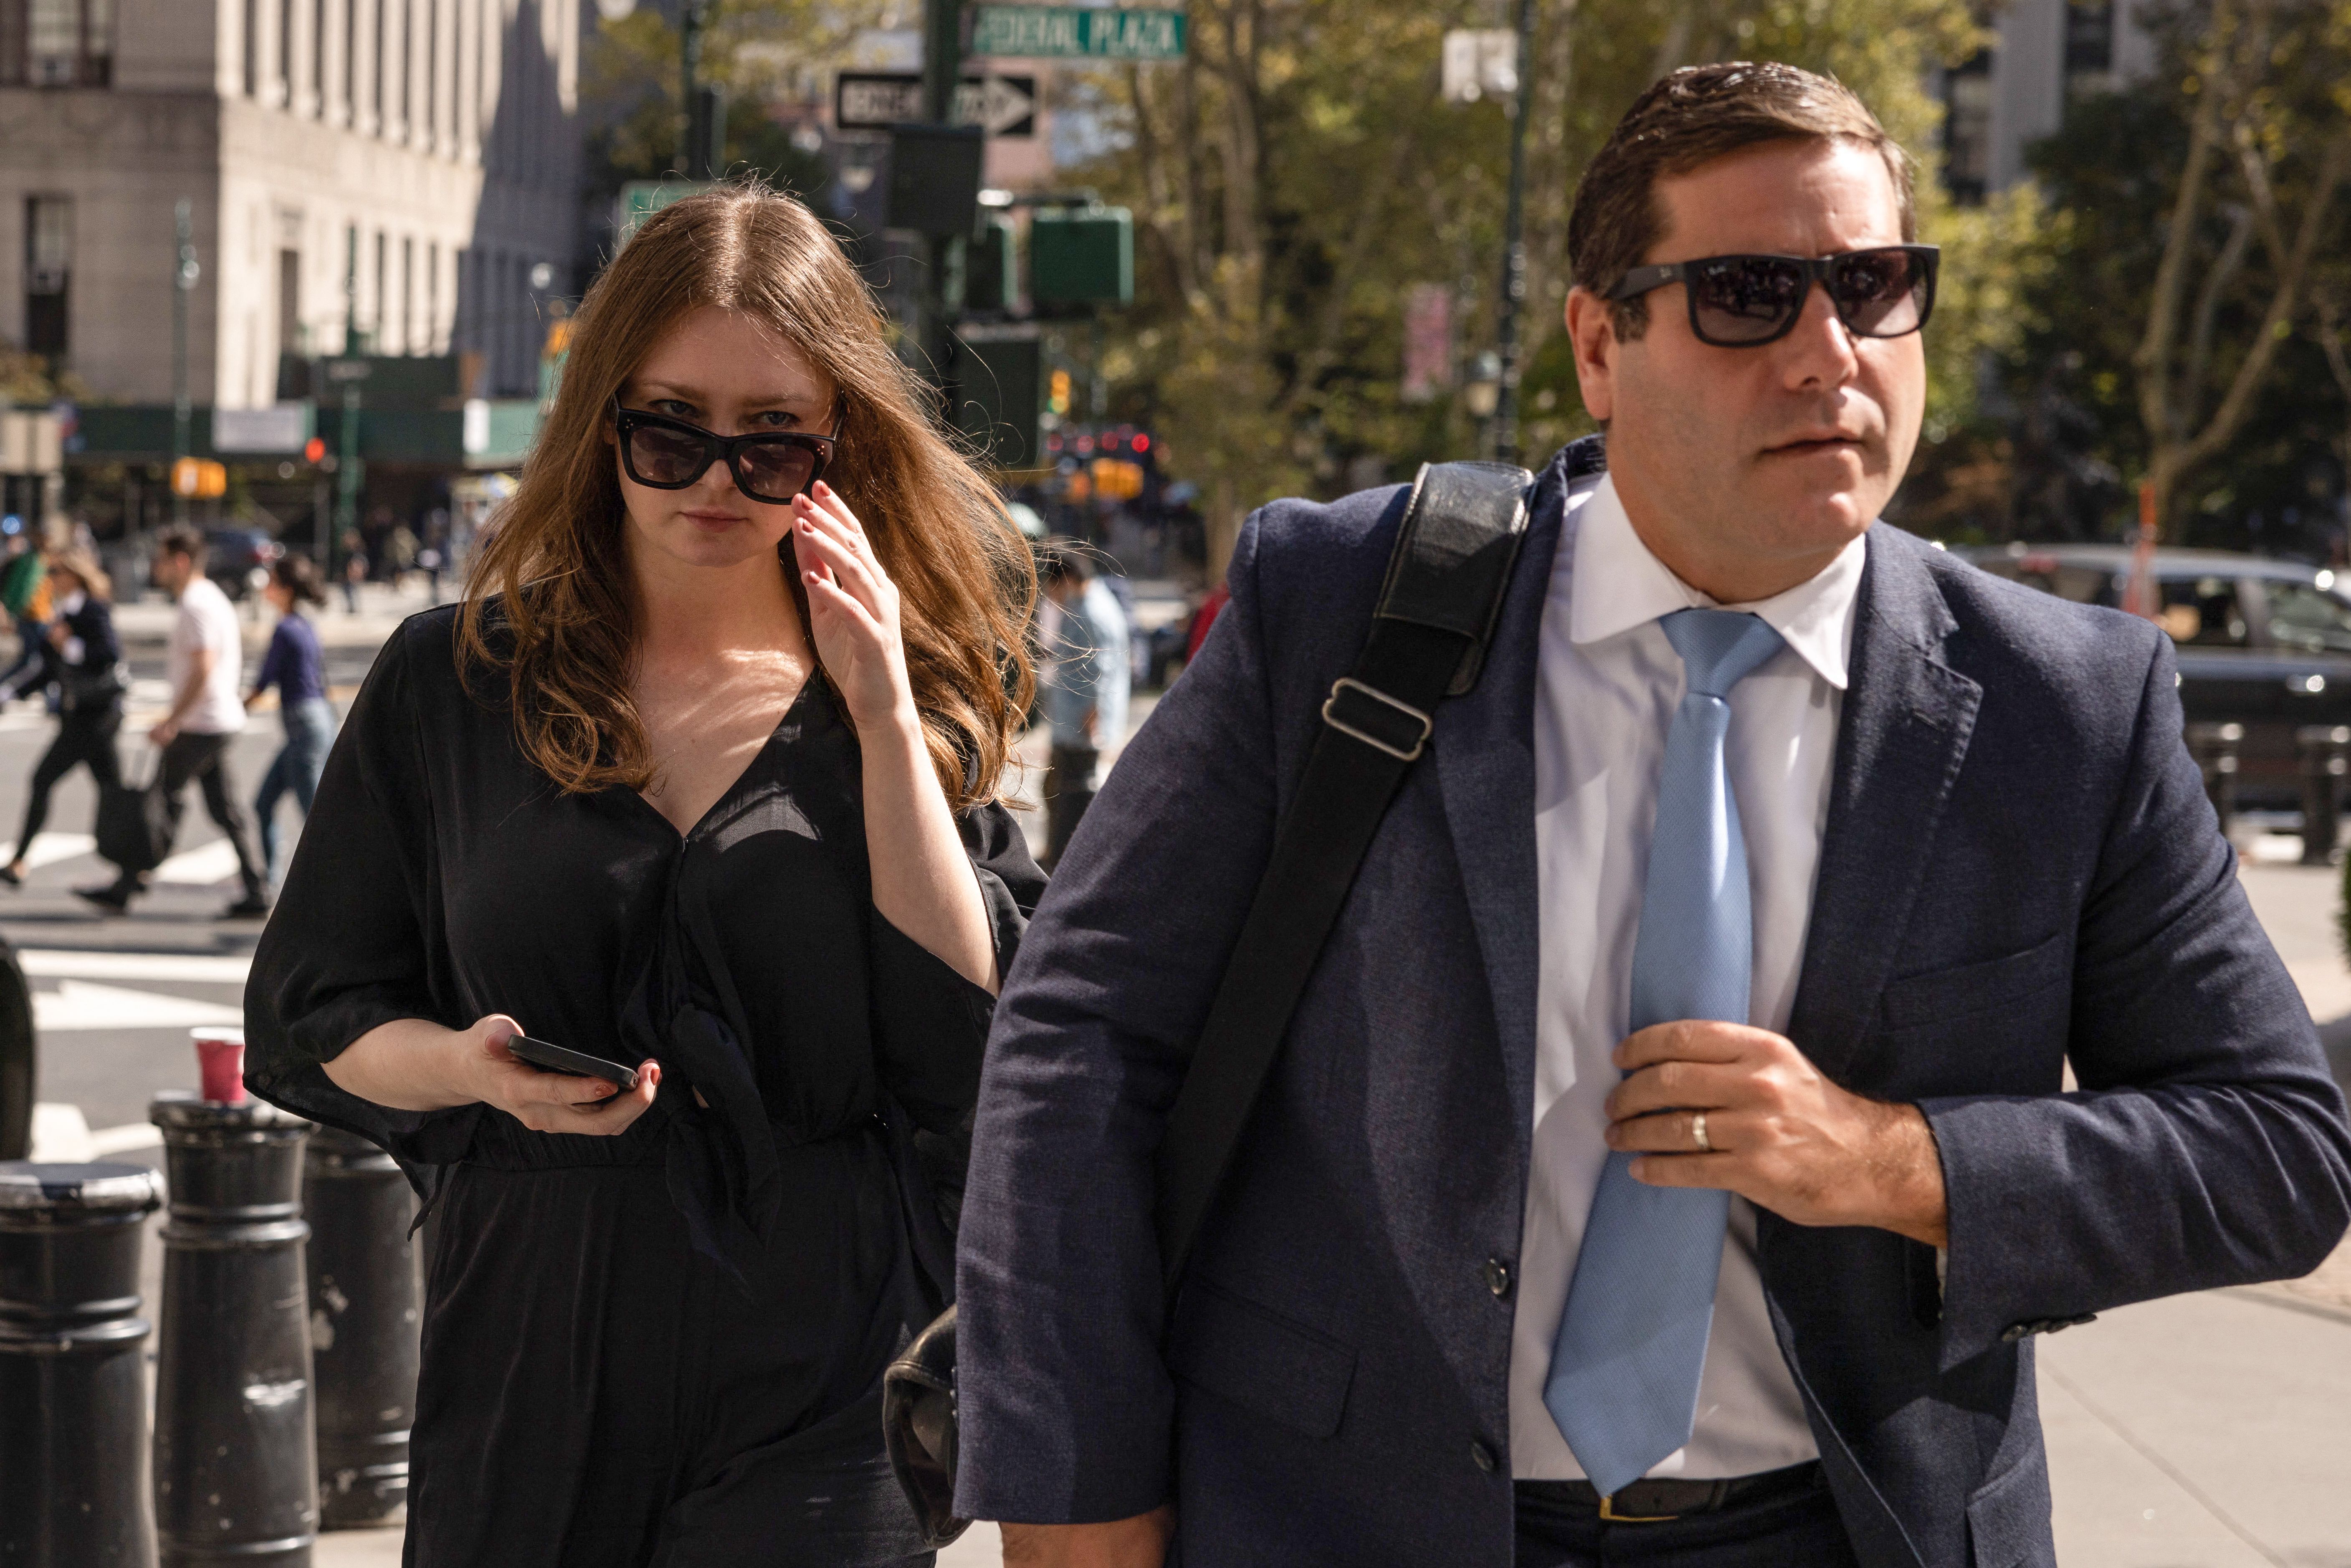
<point>2089,46</point>
<point>1966,130</point>
<point>291,337</point>
<point>48,273</point>
<point>57,43</point>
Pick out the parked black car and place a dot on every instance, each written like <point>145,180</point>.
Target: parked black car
<point>2265,644</point>
<point>239,558</point>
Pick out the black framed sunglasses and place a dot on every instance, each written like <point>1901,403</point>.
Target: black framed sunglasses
<point>1746,301</point>
<point>770,465</point>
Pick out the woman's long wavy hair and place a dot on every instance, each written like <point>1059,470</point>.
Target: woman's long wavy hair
<point>565,625</point>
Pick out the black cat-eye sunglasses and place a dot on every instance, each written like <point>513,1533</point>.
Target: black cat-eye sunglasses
<point>770,465</point>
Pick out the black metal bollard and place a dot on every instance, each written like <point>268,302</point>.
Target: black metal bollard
<point>16,1057</point>
<point>366,1310</point>
<point>2325,757</point>
<point>235,1468</point>
<point>2214,746</point>
<point>73,1390</point>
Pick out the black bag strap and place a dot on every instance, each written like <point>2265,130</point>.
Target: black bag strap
<point>1437,607</point>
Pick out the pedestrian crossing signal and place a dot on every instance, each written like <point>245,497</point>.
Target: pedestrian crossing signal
<point>200,477</point>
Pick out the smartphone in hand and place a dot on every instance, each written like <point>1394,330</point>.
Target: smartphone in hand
<point>562,1058</point>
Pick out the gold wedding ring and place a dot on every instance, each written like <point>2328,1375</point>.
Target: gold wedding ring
<point>1697,1132</point>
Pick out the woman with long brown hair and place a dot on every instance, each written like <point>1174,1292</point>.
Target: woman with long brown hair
<point>700,779</point>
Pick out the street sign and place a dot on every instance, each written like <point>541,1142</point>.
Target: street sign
<point>640,199</point>
<point>1479,62</point>
<point>878,101</point>
<point>281,428</point>
<point>1061,32</point>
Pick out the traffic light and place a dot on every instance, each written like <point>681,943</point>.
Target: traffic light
<point>200,477</point>
<point>314,449</point>
<point>1058,397</point>
<point>1117,480</point>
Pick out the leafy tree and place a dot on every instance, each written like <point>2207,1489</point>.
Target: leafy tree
<point>2268,151</point>
<point>2213,377</point>
<point>1296,173</point>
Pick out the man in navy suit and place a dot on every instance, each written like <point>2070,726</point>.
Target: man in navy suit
<point>1669,1159</point>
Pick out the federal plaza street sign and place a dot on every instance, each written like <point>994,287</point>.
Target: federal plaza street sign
<point>1059,32</point>
<point>877,100</point>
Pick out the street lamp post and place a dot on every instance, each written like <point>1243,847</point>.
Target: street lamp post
<point>348,472</point>
<point>185,273</point>
<point>1514,248</point>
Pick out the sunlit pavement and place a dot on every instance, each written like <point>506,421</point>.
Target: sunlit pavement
<point>2203,1432</point>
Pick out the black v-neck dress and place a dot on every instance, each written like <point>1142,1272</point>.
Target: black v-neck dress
<point>663,1348</point>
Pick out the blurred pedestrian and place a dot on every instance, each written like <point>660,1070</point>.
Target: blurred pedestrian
<point>24,593</point>
<point>1085,683</point>
<point>205,665</point>
<point>297,666</point>
<point>1671,1152</point>
<point>355,570</point>
<point>399,548</point>
<point>82,660</point>
<point>701,778</point>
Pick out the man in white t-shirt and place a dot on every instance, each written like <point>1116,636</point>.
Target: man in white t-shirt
<point>206,669</point>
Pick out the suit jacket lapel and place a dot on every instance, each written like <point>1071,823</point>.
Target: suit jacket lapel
<point>1486,766</point>
<point>1900,741</point>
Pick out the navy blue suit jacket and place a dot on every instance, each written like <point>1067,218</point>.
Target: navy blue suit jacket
<point>2019,868</point>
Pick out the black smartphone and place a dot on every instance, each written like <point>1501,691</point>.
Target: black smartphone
<point>579,1063</point>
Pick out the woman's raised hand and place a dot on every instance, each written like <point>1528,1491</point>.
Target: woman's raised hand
<point>853,611</point>
<point>547,1102</point>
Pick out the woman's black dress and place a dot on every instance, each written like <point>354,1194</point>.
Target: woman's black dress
<point>663,1348</point>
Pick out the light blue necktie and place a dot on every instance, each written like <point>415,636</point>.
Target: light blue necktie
<point>1625,1364</point>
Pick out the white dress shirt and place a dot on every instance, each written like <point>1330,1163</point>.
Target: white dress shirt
<point>1607,684</point>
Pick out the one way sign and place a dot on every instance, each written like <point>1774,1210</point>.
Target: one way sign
<point>876,101</point>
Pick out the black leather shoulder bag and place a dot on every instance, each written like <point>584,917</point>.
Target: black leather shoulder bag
<point>1442,596</point>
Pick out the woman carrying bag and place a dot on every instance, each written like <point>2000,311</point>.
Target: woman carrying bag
<point>700,779</point>
<point>82,657</point>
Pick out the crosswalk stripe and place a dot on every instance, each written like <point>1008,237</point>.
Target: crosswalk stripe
<point>203,968</point>
<point>48,849</point>
<point>84,1004</point>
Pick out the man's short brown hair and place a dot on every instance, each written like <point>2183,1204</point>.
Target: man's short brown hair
<point>182,540</point>
<point>1690,118</point>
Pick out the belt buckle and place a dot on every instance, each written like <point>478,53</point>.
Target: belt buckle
<point>1608,1512</point>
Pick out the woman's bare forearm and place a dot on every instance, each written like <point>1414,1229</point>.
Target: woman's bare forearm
<point>923,881</point>
<point>409,1064</point>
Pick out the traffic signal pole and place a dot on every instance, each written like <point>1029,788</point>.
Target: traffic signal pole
<point>941,67</point>
<point>1514,247</point>
<point>701,128</point>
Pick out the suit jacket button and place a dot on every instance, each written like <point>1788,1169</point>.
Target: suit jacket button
<point>2013,1333</point>
<point>1498,1276</point>
<point>1482,1456</point>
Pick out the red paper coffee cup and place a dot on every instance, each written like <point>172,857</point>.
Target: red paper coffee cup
<point>219,1064</point>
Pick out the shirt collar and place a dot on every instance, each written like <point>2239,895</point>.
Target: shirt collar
<point>1619,585</point>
